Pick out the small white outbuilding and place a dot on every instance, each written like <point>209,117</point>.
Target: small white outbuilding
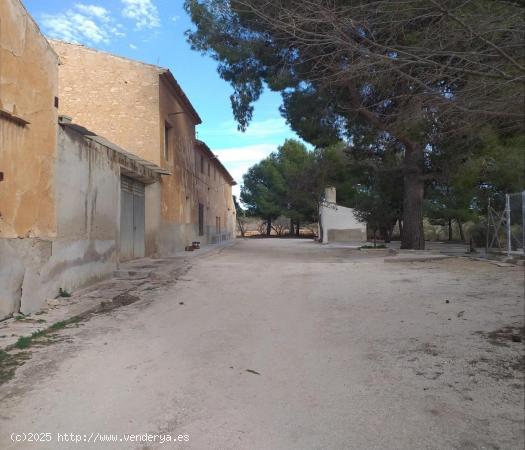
<point>338,223</point>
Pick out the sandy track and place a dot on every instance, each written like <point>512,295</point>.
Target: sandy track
<point>283,344</point>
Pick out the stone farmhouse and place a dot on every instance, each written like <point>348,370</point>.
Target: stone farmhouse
<point>99,163</point>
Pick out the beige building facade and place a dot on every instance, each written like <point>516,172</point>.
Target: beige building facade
<point>142,108</point>
<point>124,178</point>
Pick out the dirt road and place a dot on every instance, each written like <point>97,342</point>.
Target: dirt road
<point>283,344</point>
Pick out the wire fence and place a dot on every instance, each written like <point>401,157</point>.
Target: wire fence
<point>506,228</point>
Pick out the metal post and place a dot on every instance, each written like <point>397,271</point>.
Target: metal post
<point>523,220</point>
<point>507,215</point>
<point>488,229</point>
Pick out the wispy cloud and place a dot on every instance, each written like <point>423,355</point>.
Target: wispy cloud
<point>239,159</point>
<point>259,129</point>
<point>143,12</point>
<point>93,11</point>
<point>260,139</point>
<point>247,153</point>
<point>83,23</point>
<point>133,47</point>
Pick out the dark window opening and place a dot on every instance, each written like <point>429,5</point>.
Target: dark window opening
<point>201,219</point>
<point>167,128</point>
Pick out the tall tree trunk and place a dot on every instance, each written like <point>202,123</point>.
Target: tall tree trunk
<point>291,228</point>
<point>297,228</point>
<point>449,229</point>
<point>414,187</point>
<point>461,233</point>
<point>388,234</point>
<point>413,236</point>
<point>241,228</point>
<point>269,226</point>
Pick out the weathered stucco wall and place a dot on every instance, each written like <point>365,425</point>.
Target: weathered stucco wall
<point>28,124</point>
<point>87,193</point>
<point>115,97</point>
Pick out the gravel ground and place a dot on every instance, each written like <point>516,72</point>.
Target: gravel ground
<point>285,344</point>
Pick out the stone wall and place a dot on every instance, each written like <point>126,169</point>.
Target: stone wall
<point>115,97</point>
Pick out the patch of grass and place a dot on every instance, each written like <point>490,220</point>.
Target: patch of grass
<point>26,341</point>
<point>63,293</point>
<point>9,363</point>
<point>29,319</point>
<point>58,326</point>
<point>367,246</point>
<point>23,342</point>
<point>3,356</point>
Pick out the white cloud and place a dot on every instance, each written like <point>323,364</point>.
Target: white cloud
<point>83,24</point>
<point>133,47</point>
<point>239,159</point>
<point>268,127</point>
<point>248,153</point>
<point>93,11</point>
<point>143,12</point>
<point>258,129</point>
<point>175,18</point>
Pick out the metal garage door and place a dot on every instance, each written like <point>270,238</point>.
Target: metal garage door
<point>132,222</point>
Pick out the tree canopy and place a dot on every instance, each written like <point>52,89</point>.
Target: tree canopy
<point>290,182</point>
<point>449,54</point>
<point>391,70</point>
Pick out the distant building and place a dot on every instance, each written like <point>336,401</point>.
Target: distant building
<point>337,223</point>
<point>118,175</point>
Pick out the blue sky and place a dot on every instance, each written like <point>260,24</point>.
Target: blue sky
<point>153,31</point>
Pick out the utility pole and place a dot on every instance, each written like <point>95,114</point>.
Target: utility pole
<point>523,220</point>
<point>507,216</point>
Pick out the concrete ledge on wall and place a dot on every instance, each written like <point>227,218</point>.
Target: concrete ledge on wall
<point>347,235</point>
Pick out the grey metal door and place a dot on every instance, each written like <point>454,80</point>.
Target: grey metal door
<point>132,221</point>
<point>138,220</point>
